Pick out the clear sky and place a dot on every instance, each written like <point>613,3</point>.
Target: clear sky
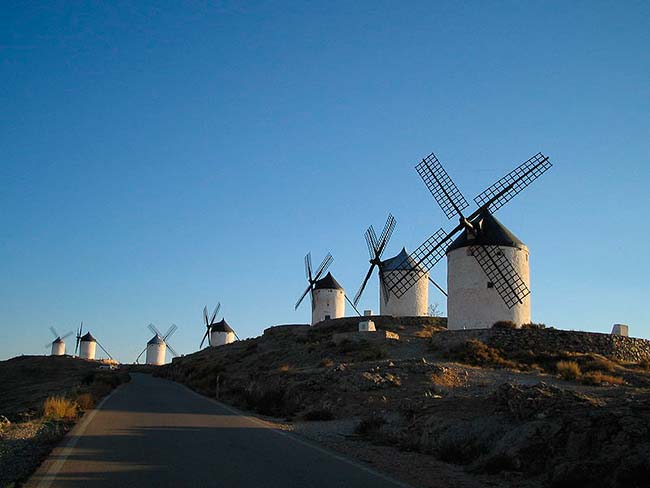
<point>154,159</point>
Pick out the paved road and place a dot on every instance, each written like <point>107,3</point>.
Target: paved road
<point>153,432</point>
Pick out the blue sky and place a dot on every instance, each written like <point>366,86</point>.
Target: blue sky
<point>157,159</point>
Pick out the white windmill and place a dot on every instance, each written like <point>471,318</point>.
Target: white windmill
<point>327,295</point>
<point>157,346</point>
<point>217,333</point>
<point>87,345</point>
<point>58,344</point>
<point>415,301</point>
<point>488,275</point>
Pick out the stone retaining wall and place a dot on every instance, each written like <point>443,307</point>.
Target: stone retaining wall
<point>550,340</point>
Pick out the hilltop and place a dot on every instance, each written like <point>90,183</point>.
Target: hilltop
<point>549,408</point>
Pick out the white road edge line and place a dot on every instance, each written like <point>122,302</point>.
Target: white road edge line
<point>76,432</point>
<point>294,437</point>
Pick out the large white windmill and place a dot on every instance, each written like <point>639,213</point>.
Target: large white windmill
<point>157,346</point>
<point>488,276</point>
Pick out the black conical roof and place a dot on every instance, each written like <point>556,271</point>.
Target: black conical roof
<point>221,326</point>
<point>156,340</point>
<point>491,232</point>
<point>328,283</point>
<point>58,340</point>
<point>88,337</point>
<point>400,262</point>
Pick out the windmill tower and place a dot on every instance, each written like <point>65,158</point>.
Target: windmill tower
<point>327,295</point>
<point>217,333</point>
<point>58,344</point>
<point>157,346</point>
<point>87,345</point>
<point>221,334</point>
<point>415,301</point>
<point>488,273</point>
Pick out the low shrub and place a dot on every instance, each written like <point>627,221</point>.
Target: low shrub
<point>285,368</point>
<point>504,324</point>
<point>370,425</point>
<point>599,378</point>
<point>319,414</point>
<point>478,353</point>
<point>59,408</point>
<point>533,325</point>
<point>568,370</point>
<point>326,363</point>
<point>85,401</point>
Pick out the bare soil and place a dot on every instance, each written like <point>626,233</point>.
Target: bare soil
<point>420,414</point>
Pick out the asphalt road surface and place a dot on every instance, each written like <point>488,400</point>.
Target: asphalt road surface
<point>153,432</point>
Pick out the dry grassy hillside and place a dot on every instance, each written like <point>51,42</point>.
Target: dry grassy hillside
<point>501,420</point>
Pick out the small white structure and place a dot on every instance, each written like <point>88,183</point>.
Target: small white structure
<point>473,302</point>
<point>221,334</point>
<point>87,346</point>
<point>58,347</point>
<point>328,300</point>
<point>415,301</point>
<point>367,325</point>
<point>621,330</point>
<point>156,350</point>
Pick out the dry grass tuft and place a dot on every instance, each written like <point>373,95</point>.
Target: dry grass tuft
<point>285,368</point>
<point>85,401</point>
<point>326,363</point>
<point>427,331</point>
<point>59,408</point>
<point>599,378</point>
<point>480,354</point>
<point>568,370</point>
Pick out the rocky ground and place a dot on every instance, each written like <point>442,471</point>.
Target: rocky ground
<point>26,436</point>
<point>467,416</point>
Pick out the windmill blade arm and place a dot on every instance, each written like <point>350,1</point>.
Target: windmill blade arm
<point>444,190</point>
<point>204,337</point>
<point>424,258</point>
<point>357,296</point>
<point>372,250</point>
<point>170,331</point>
<point>65,336</point>
<point>302,297</point>
<point>504,190</point>
<point>440,288</point>
<point>327,261</point>
<point>154,329</point>
<point>308,271</point>
<point>215,312</point>
<point>205,315</point>
<point>171,349</point>
<point>54,332</point>
<point>386,234</point>
<point>353,306</point>
<point>104,349</point>
<point>500,271</point>
<point>140,355</point>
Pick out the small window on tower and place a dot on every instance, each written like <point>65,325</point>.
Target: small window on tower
<point>490,284</point>
<point>327,317</point>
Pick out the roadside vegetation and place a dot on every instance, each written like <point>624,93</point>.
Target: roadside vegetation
<point>48,395</point>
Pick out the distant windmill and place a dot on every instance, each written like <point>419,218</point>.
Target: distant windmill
<point>327,295</point>
<point>209,322</point>
<point>218,333</point>
<point>488,271</point>
<point>87,345</point>
<point>58,344</point>
<point>158,345</point>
